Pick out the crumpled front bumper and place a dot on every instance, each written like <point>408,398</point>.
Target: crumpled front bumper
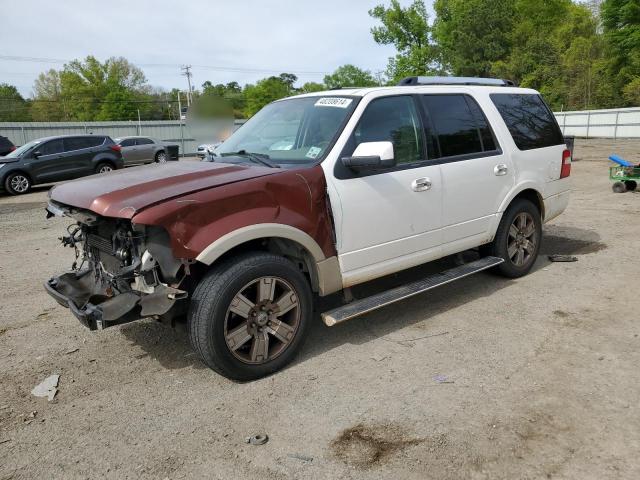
<point>96,310</point>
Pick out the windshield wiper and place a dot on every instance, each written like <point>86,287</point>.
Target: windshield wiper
<point>261,158</point>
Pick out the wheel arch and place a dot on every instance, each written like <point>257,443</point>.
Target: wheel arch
<point>324,273</point>
<point>17,170</point>
<point>528,192</point>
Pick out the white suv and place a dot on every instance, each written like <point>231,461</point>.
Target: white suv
<point>313,195</point>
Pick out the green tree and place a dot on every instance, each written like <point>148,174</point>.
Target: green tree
<point>48,105</point>
<point>13,108</point>
<point>408,30</point>
<point>310,87</point>
<point>621,26</point>
<point>473,34</point>
<point>266,91</point>
<point>349,76</point>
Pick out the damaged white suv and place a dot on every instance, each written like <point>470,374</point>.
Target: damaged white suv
<point>313,195</point>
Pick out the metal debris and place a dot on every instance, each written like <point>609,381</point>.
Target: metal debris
<point>304,458</point>
<point>442,379</point>
<point>562,258</point>
<point>257,439</point>
<point>47,388</point>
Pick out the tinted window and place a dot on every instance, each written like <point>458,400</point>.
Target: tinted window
<point>5,142</point>
<point>144,141</point>
<point>77,143</point>
<point>129,142</point>
<point>95,141</point>
<point>393,119</point>
<point>530,122</point>
<point>50,148</point>
<point>459,125</point>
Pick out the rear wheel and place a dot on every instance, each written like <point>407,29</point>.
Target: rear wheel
<point>518,239</point>
<point>249,316</point>
<point>17,183</point>
<point>161,157</point>
<point>631,185</point>
<point>104,167</point>
<point>619,187</point>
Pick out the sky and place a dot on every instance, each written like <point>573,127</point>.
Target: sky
<point>241,40</point>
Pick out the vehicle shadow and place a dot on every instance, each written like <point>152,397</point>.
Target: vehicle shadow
<point>556,240</point>
<point>170,345</point>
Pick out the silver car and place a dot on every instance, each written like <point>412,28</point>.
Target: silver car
<point>140,150</point>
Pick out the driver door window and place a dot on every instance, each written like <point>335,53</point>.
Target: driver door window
<point>393,119</point>
<point>51,148</point>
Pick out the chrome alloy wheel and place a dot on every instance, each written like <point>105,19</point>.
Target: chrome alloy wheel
<point>522,240</point>
<point>105,169</point>
<point>262,320</point>
<point>19,183</point>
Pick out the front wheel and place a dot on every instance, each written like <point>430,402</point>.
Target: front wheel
<point>17,183</point>
<point>518,239</point>
<point>161,157</point>
<point>249,315</point>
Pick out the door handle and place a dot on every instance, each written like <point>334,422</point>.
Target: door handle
<point>500,170</point>
<point>421,184</point>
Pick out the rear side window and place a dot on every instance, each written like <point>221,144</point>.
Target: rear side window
<point>144,141</point>
<point>458,124</point>
<point>78,143</point>
<point>129,142</point>
<point>396,120</point>
<point>529,120</point>
<point>95,141</point>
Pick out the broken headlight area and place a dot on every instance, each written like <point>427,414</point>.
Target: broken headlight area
<point>122,272</point>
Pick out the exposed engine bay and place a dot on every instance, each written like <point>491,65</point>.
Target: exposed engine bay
<point>121,272</point>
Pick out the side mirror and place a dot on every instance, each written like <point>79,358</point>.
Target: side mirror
<point>36,154</point>
<point>371,156</point>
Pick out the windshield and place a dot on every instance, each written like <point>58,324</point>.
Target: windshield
<point>297,131</point>
<point>18,152</point>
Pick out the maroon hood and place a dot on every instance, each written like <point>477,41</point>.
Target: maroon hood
<point>123,193</point>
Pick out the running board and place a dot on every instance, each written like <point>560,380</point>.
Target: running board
<point>365,305</point>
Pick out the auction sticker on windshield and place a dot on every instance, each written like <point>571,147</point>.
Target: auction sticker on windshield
<point>333,102</point>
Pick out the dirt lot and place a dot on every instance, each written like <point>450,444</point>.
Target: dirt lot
<point>484,378</point>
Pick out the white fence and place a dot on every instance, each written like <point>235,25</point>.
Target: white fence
<point>615,123</point>
<point>187,135</point>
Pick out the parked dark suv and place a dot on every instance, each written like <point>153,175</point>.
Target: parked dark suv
<point>6,146</point>
<point>53,159</point>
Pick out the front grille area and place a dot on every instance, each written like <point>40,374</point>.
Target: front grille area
<point>100,243</point>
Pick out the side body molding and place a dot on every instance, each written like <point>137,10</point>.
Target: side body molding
<point>327,269</point>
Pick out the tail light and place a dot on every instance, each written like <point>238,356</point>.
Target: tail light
<point>13,147</point>
<point>116,148</point>
<point>565,170</point>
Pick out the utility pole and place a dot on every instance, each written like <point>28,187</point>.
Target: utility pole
<point>186,71</point>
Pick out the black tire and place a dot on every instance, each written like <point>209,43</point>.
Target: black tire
<point>161,157</point>
<point>500,247</point>
<point>631,185</point>
<point>105,167</point>
<point>17,183</point>
<point>619,187</point>
<point>210,315</point>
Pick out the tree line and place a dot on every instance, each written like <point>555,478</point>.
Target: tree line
<point>578,55</point>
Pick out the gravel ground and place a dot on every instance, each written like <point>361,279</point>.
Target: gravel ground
<point>485,378</point>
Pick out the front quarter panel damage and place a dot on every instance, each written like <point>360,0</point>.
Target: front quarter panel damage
<point>292,197</point>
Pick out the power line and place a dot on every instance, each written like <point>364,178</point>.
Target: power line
<point>220,68</point>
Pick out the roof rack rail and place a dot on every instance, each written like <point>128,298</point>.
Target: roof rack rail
<point>492,82</point>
